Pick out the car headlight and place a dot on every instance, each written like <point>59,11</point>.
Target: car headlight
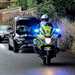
<point>19,40</point>
<point>18,37</point>
<point>47,40</point>
<point>2,35</point>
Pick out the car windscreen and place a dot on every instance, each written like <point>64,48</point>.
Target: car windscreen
<point>25,26</point>
<point>28,22</point>
<point>3,29</point>
<point>20,30</point>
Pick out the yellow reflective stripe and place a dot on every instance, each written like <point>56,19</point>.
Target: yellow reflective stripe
<point>39,42</point>
<point>46,30</point>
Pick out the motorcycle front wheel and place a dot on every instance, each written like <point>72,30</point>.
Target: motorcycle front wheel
<point>46,60</point>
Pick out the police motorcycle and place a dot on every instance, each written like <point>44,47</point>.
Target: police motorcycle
<point>46,42</point>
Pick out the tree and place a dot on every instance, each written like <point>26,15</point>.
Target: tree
<point>39,1</point>
<point>46,6</point>
<point>32,3</point>
<point>22,3</point>
<point>62,5</point>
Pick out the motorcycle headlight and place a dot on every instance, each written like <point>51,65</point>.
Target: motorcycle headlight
<point>36,30</point>
<point>47,40</point>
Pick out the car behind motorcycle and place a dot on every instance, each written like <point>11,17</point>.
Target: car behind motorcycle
<point>20,39</point>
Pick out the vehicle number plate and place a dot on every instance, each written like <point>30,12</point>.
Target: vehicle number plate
<point>47,48</point>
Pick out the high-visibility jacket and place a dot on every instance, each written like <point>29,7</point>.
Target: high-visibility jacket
<point>46,30</point>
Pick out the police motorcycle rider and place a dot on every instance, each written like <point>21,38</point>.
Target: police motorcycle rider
<point>45,24</point>
<point>44,20</point>
<point>45,31</point>
<point>44,40</point>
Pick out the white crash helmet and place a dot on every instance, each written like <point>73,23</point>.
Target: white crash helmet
<point>45,16</point>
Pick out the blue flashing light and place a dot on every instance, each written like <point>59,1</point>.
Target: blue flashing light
<point>57,30</point>
<point>36,30</point>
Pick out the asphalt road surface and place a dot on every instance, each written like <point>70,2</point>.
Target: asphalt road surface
<point>30,64</point>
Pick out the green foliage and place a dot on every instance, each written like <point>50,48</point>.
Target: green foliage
<point>51,7</point>
<point>32,3</point>
<point>22,3</point>
<point>29,3</point>
<point>25,4</point>
<point>46,7</point>
<point>61,5</point>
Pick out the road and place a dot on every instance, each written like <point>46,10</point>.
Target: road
<point>30,64</point>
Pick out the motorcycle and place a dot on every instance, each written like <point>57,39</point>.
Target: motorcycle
<point>46,43</point>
